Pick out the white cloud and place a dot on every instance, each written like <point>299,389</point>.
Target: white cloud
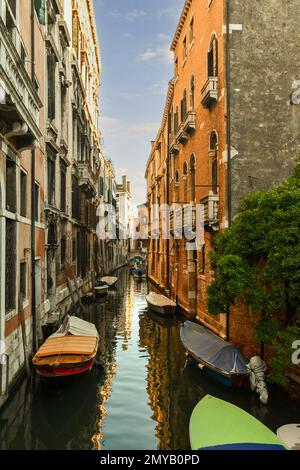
<point>114,126</point>
<point>160,53</point>
<point>128,35</point>
<point>134,14</point>
<point>164,37</point>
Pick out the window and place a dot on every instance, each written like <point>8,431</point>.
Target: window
<point>185,181</point>
<point>212,60</point>
<point>23,194</point>
<point>176,67</point>
<point>192,93</point>
<point>51,69</point>
<point>40,8</point>
<point>183,106</point>
<point>10,266</point>
<point>63,181</point>
<point>23,280</point>
<point>193,177</point>
<point>192,30</point>
<point>177,178</point>
<point>23,55</point>
<point>63,250</point>
<point>74,248</point>
<point>202,264</point>
<point>214,175</point>
<point>75,199</point>
<point>10,185</point>
<point>176,120</point>
<point>184,50</point>
<point>51,180</point>
<point>64,112</point>
<point>36,202</point>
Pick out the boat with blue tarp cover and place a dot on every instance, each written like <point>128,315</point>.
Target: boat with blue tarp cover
<point>215,356</point>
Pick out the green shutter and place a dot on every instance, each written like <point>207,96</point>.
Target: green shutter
<point>40,8</point>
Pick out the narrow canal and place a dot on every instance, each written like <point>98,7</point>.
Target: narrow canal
<point>142,399</point>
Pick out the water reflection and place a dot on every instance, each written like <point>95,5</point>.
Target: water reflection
<point>142,399</point>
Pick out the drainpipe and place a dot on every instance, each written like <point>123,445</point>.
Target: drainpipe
<point>228,138</point>
<point>33,287</point>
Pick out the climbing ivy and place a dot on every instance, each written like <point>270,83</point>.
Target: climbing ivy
<point>258,259</point>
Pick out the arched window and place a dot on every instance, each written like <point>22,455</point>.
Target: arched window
<point>193,93</point>
<point>193,177</point>
<point>184,106</point>
<point>185,169</point>
<point>177,177</point>
<point>213,144</point>
<point>212,57</point>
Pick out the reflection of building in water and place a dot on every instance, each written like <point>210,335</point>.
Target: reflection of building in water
<point>124,322</point>
<point>170,390</point>
<point>160,344</point>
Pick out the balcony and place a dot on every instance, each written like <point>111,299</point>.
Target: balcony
<point>211,211</point>
<point>19,101</point>
<point>87,178</point>
<point>210,92</point>
<point>174,147</point>
<point>187,127</point>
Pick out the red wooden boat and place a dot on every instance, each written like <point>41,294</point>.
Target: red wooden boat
<point>70,351</point>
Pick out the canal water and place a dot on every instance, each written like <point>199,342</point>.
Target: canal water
<point>142,399</point>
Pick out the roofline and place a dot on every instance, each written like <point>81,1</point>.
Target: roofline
<point>185,10</point>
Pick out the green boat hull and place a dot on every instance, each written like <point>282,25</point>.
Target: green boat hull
<point>217,423</point>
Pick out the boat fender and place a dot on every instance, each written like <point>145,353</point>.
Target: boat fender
<point>201,366</point>
<point>257,368</point>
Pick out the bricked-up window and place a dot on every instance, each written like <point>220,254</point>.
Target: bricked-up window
<point>51,69</point>
<point>51,180</point>
<point>11,201</point>
<point>23,279</point>
<point>10,266</point>
<point>212,58</point>
<point>23,194</point>
<point>63,186</point>
<point>36,202</point>
<point>192,31</point>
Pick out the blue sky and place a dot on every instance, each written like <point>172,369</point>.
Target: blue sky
<point>135,38</point>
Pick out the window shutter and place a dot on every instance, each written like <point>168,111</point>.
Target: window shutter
<point>40,8</point>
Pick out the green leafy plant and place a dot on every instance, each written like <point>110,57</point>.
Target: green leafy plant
<point>258,259</point>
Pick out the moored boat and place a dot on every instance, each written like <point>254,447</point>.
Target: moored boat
<point>215,356</point>
<point>218,425</point>
<point>101,289</point>
<point>70,351</point>
<point>160,304</point>
<point>140,273</point>
<point>110,281</point>
<point>290,435</point>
